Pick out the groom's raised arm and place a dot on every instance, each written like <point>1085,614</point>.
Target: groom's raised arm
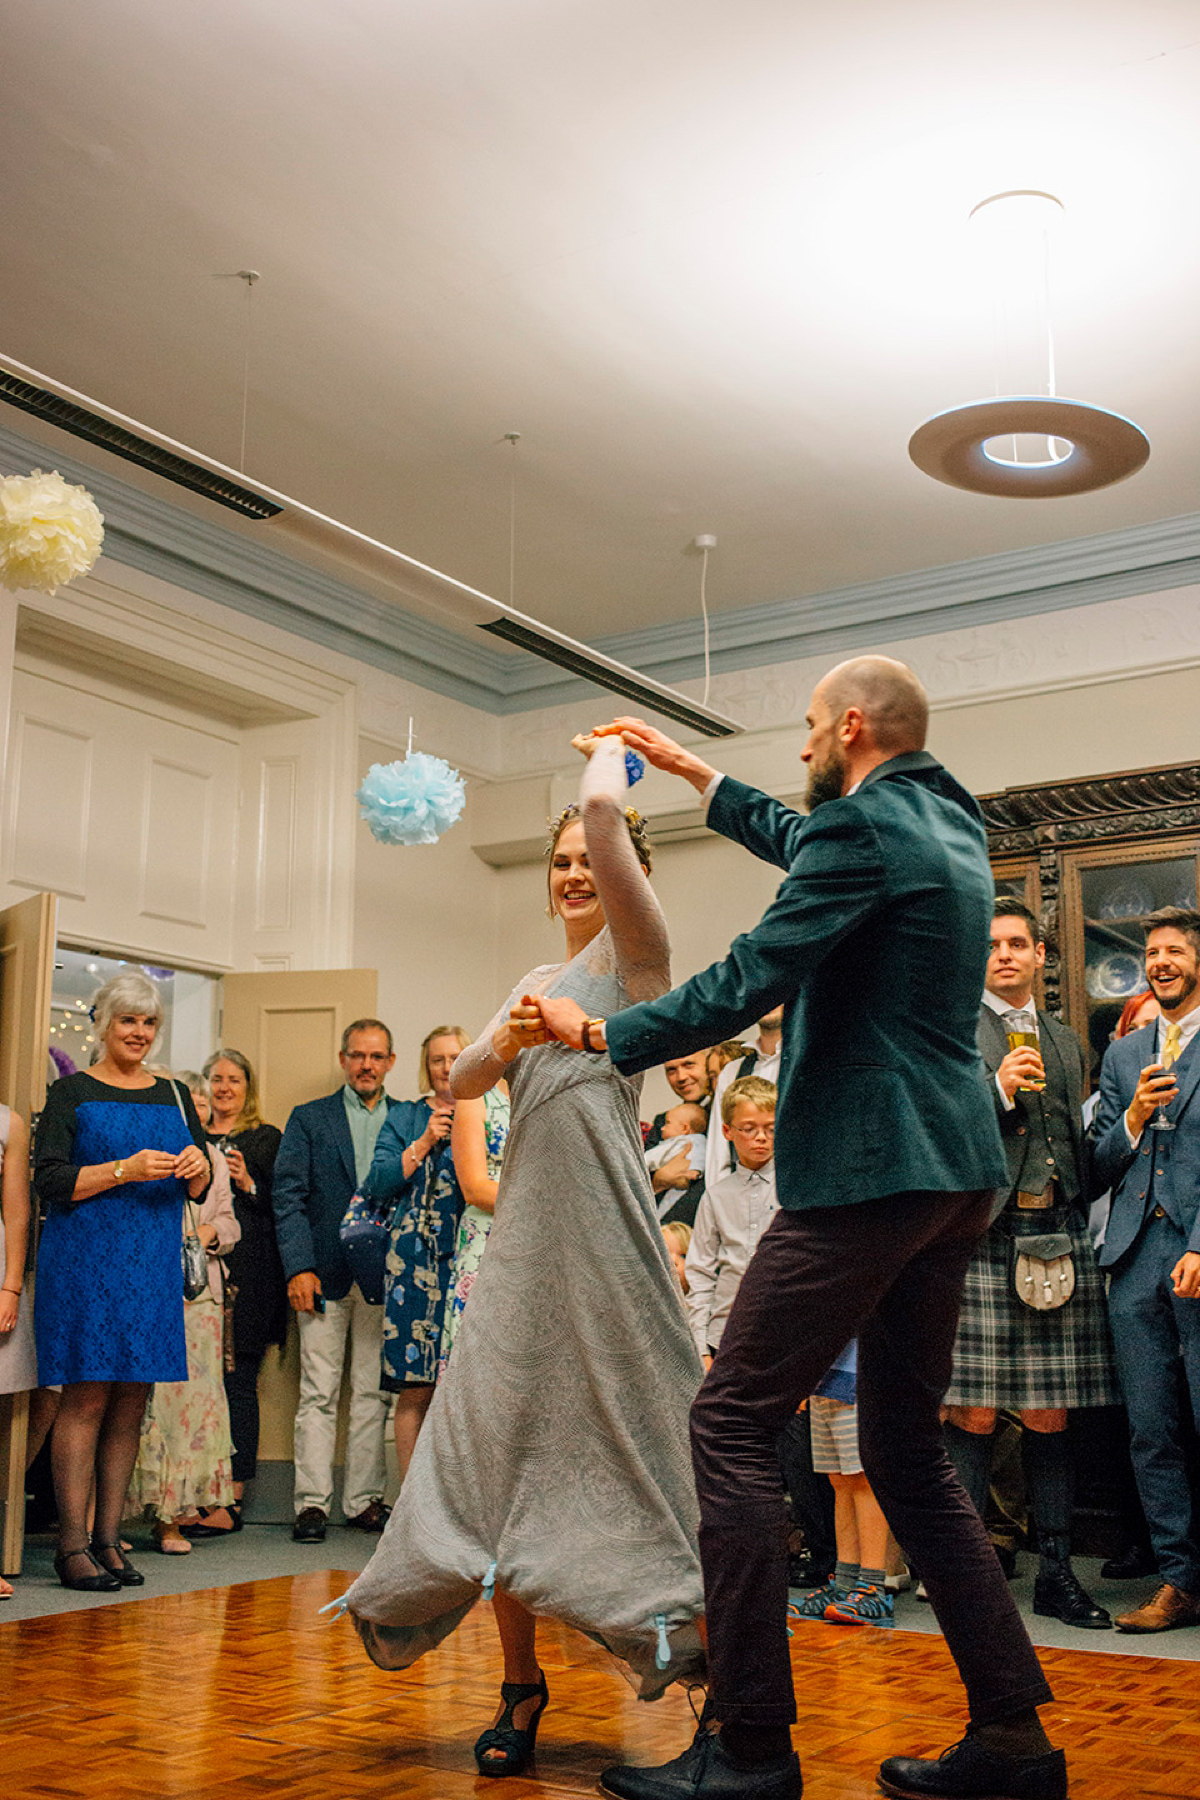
<point>763,826</point>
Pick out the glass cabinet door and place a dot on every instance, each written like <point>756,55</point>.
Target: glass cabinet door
<point>1106,895</point>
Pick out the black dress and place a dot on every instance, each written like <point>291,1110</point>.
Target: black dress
<point>260,1312</point>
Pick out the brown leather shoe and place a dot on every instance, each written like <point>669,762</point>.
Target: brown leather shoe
<point>372,1518</point>
<point>1169,1608</point>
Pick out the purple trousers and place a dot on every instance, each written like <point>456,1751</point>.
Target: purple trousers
<point>891,1273</point>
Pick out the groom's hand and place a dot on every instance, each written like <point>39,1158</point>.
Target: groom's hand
<point>660,751</point>
<point>564,1020</point>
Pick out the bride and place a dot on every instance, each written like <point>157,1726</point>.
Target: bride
<point>553,1471</point>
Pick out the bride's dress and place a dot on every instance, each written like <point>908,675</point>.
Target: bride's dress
<point>554,1458</point>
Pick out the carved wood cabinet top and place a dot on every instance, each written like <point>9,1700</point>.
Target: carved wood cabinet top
<point>1133,803</point>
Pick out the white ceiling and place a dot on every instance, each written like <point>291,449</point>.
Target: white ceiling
<point>709,257</point>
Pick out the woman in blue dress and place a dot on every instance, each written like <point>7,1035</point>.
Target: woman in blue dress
<point>413,1167</point>
<point>115,1152</point>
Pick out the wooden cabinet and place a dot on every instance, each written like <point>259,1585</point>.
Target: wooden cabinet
<point>1092,858</point>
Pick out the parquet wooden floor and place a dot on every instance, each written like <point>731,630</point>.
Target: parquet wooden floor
<point>243,1693</point>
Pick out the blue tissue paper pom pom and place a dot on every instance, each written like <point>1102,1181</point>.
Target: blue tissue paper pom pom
<point>635,768</point>
<point>412,801</point>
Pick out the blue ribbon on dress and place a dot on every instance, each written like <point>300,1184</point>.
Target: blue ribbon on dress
<point>662,1656</point>
<point>337,1607</point>
<point>489,1582</point>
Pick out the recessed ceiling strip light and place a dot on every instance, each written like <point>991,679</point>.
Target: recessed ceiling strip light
<point>97,424</point>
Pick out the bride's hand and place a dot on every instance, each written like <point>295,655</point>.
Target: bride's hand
<point>660,751</point>
<point>523,1030</point>
<point>585,742</point>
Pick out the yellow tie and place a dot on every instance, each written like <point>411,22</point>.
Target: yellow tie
<point>1170,1052</point>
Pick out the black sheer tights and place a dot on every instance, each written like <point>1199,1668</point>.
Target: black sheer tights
<point>95,1440</point>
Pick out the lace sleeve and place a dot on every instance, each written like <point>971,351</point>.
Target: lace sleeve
<point>478,1068</point>
<point>634,917</point>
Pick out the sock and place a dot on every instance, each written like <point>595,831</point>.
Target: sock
<point>1021,1735</point>
<point>753,1745</point>
<point>1048,1465</point>
<point>845,1577</point>
<point>971,1454</point>
<point>871,1578</point>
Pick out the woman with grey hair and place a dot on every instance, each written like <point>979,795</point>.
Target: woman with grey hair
<point>116,1150</point>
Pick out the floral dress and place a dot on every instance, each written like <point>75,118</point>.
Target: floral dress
<point>420,1250</point>
<point>475,1223</point>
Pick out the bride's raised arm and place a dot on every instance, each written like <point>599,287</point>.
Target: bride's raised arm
<point>632,912</point>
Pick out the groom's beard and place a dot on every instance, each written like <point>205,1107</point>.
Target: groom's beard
<point>827,782</point>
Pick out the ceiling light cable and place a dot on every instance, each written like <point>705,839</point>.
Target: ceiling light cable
<point>249,276</point>
<point>704,543</point>
<point>512,439</point>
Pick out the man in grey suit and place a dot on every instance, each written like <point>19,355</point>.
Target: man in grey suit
<point>887,1157</point>
<point>1152,1253</point>
<point>1010,1353</point>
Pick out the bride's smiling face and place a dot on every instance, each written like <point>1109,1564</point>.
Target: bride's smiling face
<point>573,893</point>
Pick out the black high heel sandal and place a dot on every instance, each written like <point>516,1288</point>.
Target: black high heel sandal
<point>201,1529</point>
<point>101,1581</point>
<point>512,1748</point>
<point>125,1575</point>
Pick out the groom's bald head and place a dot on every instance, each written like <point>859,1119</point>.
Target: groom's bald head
<point>893,703</point>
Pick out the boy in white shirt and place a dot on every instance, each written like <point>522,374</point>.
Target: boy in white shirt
<point>734,1212</point>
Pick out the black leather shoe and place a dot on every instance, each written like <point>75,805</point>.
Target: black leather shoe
<point>1058,1595</point>
<point>967,1771</point>
<point>805,1572</point>
<point>310,1526</point>
<point>705,1771</point>
<point>99,1581</point>
<point>1134,1564</point>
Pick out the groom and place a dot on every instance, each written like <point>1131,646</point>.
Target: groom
<point>886,1156</point>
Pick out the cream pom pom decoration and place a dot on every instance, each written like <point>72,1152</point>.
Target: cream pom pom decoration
<point>50,531</point>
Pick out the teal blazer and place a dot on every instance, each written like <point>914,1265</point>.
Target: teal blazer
<point>876,944</point>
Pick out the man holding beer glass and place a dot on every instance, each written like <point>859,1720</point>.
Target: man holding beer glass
<point>1019,1346</point>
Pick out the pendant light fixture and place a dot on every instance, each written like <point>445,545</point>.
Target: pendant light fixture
<point>1028,442</point>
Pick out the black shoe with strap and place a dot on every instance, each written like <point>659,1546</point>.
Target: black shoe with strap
<point>90,1576</point>
<point>706,1771</point>
<point>969,1771</point>
<point>504,1748</point>
<point>114,1561</point>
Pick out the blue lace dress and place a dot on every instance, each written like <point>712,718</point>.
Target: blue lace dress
<point>420,1250</point>
<point>109,1296</point>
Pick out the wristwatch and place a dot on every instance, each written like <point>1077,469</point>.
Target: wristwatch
<point>586,1037</point>
<point>118,1171</point>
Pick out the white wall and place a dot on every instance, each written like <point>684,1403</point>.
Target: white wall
<point>426,916</point>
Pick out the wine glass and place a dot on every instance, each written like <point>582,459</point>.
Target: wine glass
<point>1160,1121</point>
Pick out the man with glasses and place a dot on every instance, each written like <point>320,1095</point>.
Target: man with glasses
<point>324,1158</point>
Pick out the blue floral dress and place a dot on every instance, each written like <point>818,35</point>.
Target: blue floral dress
<point>420,1250</point>
<point>475,1224</point>
<point>108,1304</point>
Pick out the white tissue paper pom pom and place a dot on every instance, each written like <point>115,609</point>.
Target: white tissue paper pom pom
<point>50,531</point>
<point>412,801</point>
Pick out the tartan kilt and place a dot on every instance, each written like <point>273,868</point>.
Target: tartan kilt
<point>1008,1355</point>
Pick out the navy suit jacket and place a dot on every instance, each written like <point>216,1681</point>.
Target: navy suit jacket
<point>876,944</point>
<point>314,1180</point>
<point>1173,1156</point>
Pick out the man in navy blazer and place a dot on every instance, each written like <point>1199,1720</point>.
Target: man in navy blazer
<point>324,1157</point>
<point>887,1155</point>
<point>1152,1253</point>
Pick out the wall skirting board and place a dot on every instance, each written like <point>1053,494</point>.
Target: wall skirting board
<point>207,557</point>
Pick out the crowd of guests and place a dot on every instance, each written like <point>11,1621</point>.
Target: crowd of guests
<point>368,1216</point>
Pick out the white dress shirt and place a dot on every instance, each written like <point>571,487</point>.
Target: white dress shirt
<point>730,1220</point>
<point>1029,1022</point>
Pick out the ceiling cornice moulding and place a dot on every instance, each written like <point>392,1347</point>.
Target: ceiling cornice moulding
<point>150,534</point>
